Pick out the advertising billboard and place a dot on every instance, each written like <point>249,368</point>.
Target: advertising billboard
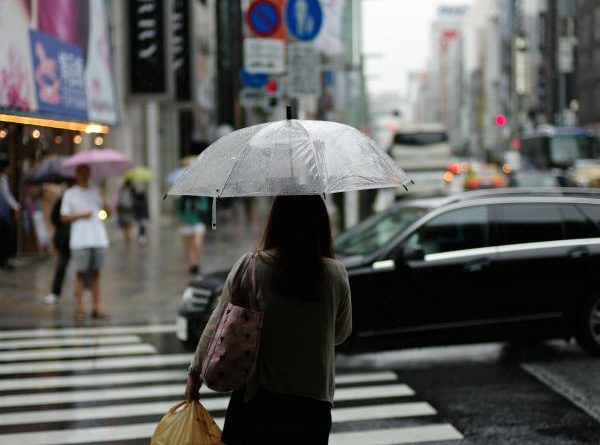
<point>56,61</point>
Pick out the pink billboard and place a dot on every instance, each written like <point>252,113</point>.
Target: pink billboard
<point>55,60</point>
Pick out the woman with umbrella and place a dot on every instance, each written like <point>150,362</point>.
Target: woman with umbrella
<point>302,291</point>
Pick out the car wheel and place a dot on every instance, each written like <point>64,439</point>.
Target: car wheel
<point>588,326</point>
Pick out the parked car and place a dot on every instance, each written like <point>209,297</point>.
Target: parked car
<point>488,265</point>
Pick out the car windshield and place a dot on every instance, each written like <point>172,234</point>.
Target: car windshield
<point>566,149</point>
<point>375,232</point>
<point>419,139</point>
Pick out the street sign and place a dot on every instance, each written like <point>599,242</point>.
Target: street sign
<point>263,18</point>
<point>304,18</point>
<point>251,80</point>
<point>253,98</point>
<point>304,70</point>
<point>264,55</point>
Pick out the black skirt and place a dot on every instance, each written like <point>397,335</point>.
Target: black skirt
<point>272,418</point>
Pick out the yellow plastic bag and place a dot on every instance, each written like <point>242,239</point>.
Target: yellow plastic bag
<point>190,425</point>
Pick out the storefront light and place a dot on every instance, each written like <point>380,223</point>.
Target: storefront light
<point>99,140</point>
<point>93,128</point>
<point>3,134</point>
<point>63,125</point>
<point>58,139</point>
<point>77,139</point>
<point>35,134</point>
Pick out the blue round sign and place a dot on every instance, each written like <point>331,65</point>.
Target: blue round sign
<point>304,18</point>
<point>263,18</point>
<point>256,80</point>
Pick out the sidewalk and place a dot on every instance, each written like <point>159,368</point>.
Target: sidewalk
<point>140,284</point>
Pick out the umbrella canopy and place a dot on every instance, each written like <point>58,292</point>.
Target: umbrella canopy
<point>48,170</point>
<point>103,162</point>
<point>139,173</point>
<point>172,177</point>
<point>290,157</point>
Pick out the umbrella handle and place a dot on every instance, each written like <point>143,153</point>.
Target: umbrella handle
<point>214,213</point>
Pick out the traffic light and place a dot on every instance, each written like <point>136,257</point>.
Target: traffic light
<point>500,120</point>
<point>273,90</point>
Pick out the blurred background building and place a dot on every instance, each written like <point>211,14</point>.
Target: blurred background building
<point>161,79</point>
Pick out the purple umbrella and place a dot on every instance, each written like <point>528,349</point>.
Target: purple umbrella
<point>103,162</point>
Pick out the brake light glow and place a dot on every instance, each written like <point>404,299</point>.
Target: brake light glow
<point>498,182</point>
<point>448,176</point>
<point>472,183</point>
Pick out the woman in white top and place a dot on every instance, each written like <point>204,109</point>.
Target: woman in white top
<point>81,206</point>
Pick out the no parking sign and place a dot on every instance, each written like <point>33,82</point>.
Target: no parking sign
<point>263,18</point>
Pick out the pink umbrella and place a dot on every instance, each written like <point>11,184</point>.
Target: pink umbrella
<point>103,162</point>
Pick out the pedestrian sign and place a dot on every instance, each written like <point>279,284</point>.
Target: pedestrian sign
<point>304,18</point>
<point>263,18</point>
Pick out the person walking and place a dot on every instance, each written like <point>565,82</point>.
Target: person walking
<point>192,212</point>
<point>62,235</point>
<point>81,206</point>
<point>305,297</point>
<point>126,209</point>
<point>9,208</point>
<point>140,212</point>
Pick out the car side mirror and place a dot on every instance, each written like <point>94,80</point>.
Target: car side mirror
<point>409,253</point>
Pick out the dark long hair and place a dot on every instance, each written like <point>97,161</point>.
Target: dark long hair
<point>300,231</point>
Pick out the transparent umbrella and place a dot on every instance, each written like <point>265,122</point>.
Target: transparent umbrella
<point>289,157</point>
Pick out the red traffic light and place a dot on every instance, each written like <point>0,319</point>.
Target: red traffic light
<point>500,120</point>
<point>272,86</point>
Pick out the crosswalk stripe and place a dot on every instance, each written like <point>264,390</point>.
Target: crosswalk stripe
<point>83,341</point>
<point>106,330</point>
<point>173,390</point>
<point>365,377</point>
<point>101,412</point>
<point>373,392</point>
<point>120,378</point>
<point>411,409</point>
<point>42,354</point>
<point>392,436</point>
<point>176,390</point>
<point>395,436</point>
<point>98,364</point>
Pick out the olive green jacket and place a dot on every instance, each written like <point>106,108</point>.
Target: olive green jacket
<point>297,346</point>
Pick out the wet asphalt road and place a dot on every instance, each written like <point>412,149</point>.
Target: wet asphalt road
<point>493,395</point>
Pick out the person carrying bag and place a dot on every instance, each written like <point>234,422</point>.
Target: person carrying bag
<point>303,298</point>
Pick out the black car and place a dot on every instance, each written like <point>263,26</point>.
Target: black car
<point>494,265</point>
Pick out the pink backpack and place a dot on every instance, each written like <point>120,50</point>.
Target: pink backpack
<point>230,359</point>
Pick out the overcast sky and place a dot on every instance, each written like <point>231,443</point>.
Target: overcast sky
<point>396,40</point>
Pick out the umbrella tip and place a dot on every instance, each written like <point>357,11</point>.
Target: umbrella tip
<point>288,111</point>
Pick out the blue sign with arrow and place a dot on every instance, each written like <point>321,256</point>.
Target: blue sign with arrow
<point>304,18</point>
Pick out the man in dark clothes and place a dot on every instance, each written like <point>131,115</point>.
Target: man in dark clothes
<point>62,234</point>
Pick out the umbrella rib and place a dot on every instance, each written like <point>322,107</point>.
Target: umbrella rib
<point>233,168</point>
<point>315,155</point>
